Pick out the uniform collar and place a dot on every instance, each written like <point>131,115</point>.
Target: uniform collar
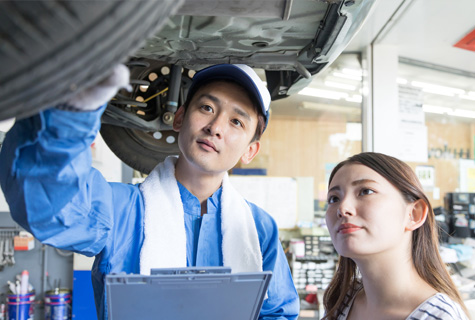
<point>191,204</point>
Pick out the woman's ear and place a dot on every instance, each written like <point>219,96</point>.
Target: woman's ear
<point>418,215</point>
<point>178,120</point>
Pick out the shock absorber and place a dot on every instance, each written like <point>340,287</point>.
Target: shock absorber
<point>173,94</point>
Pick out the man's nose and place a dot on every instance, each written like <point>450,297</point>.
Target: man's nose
<point>216,126</point>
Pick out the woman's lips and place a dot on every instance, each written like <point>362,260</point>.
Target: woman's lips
<point>348,228</point>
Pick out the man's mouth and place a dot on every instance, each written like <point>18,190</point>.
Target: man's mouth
<point>208,145</point>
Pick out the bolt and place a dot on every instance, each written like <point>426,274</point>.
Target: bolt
<point>168,118</point>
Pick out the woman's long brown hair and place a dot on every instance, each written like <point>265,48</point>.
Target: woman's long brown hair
<point>425,244</point>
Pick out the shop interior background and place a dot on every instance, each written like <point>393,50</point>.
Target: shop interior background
<point>401,87</point>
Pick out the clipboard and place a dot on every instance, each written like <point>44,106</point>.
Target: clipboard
<point>212,293</point>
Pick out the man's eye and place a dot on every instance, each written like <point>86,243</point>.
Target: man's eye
<point>237,122</point>
<point>206,108</point>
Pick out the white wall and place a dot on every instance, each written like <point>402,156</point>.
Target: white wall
<point>106,161</point>
<point>385,100</point>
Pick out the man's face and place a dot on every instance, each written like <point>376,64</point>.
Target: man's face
<point>217,128</point>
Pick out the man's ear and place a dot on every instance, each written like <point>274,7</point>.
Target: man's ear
<point>418,215</point>
<point>251,152</point>
<point>178,120</point>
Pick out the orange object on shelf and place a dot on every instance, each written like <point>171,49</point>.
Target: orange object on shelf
<point>24,241</point>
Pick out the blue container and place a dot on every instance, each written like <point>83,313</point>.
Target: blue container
<point>58,304</point>
<point>21,306</point>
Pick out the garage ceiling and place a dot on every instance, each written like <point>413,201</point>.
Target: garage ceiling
<point>424,30</point>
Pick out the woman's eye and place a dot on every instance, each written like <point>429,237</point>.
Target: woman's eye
<point>366,192</point>
<point>332,199</point>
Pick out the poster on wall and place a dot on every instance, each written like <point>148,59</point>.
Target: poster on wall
<point>412,140</point>
<point>410,105</point>
<point>466,175</point>
<point>426,176</point>
<point>413,144</point>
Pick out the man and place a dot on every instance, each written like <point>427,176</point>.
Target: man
<point>184,214</point>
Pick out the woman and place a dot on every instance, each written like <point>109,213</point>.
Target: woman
<point>383,227</point>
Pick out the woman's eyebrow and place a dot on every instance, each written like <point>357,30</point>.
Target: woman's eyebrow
<point>354,183</point>
<point>362,181</point>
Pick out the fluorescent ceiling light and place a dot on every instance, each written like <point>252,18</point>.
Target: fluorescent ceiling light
<point>328,94</point>
<point>354,131</point>
<point>339,85</point>
<point>355,98</point>
<point>438,89</point>
<point>353,72</point>
<point>463,113</point>
<point>401,81</point>
<point>467,97</point>
<point>347,76</point>
<point>439,92</point>
<point>364,90</point>
<point>436,109</point>
<point>323,108</point>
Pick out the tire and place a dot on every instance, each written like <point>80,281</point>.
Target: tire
<point>53,49</point>
<point>142,148</point>
<point>137,148</point>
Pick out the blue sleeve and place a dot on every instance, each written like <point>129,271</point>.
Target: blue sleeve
<point>283,300</point>
<point>48,182</point>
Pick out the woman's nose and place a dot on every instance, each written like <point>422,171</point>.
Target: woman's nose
<point>345,209</point>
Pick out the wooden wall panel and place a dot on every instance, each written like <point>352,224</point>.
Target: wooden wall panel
<point>443,139</point>
<point>302,147</point>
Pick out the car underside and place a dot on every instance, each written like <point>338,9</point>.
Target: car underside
<point>52,50</point>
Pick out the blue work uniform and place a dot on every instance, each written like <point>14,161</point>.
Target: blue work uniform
<point>54,193</point>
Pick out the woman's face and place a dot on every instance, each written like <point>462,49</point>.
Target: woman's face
<point>366,214</point>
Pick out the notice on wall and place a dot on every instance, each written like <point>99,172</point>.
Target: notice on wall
<point>410,105</point>
<point>276,195</point>
<point>413,144</point>
<point>412,130</point>
<point>466,175</point>
<point>426,175</point>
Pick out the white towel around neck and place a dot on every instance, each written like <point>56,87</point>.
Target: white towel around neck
<point>164,245</point>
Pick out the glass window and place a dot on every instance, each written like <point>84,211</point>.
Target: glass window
<point>309,132</point>
<point>448,102</point>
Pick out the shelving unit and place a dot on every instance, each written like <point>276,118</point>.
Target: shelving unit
<point>313,272</point>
